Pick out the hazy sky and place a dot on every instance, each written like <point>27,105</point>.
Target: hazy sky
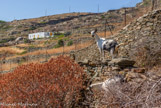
<point>24,9</point>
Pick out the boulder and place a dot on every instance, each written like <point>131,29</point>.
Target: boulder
<point>97,87</point>
<point>121,62</point>
<point>84,62</point>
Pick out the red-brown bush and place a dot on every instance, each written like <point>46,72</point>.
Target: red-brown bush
<point>56,83</point>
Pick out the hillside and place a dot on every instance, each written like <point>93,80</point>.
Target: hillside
<point>39,72</point>
<point>77,25</point>
<point>139,39</point>
<point>69,22</point>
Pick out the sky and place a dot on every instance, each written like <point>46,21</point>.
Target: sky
<point>25,9</point>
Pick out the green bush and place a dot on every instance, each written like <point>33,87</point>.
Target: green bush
<point>26,41</point>
<point>32,28</point>
<point>3,41</point>
<point>70,43</point>
<point>59,44</point>
<point>1,21</point>
<point>32,46</point>
<point>46,42</point>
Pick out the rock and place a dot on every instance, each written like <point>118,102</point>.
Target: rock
<point>97,87</point>
<point>122,62</point>
<point>116,68</point>
<point>105,62</point>
<point>143,76</point>
<point>93,64</point>
<point>126,70</point>
<point>149,24</point>
<point>18,39</point>
<point>84,62</point>
<point>110,82</point>
<point>129,76</point>
<point>123,73</point>
<point>138,70</point>
<point>133,76</point>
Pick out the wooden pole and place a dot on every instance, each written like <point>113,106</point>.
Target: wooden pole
<point>63,48</point>
<point>125,17</point>
<point>109,28</point>
<point>1,67</point>
<point>152,2</point>
<point>105,26</point>
<point>98,8</point>
<point>10,65</point>
<point>46,55</point>
<point>75,44</point>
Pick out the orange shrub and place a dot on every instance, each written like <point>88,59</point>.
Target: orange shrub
<point>53,84</point>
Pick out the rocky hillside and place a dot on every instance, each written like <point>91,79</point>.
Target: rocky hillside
<point>139,39</point>
<point>69,22</point>
<point>142,38</point>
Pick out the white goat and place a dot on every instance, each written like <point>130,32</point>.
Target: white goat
<point>104,44</point>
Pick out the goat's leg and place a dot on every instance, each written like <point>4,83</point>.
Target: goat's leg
<point>100,54</point>
<point>103,54</point>
<point>112,52</point>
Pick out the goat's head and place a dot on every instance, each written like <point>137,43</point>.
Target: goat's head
<point>93,32</point>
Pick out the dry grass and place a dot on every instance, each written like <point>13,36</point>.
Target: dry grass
<point>23,45</point>
<point>11,50</point>
<point>57,50</point>
<point>9,66</point>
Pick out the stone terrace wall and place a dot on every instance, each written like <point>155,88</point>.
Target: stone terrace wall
<point>145,29</point>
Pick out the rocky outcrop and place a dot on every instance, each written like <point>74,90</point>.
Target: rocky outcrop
<point>122,62</point>
<point>140,33</point>
<point>143,33</point>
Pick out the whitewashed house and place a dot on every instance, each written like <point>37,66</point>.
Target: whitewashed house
<point>41,35</point>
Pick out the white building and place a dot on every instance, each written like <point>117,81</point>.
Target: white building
<point>41,35</point>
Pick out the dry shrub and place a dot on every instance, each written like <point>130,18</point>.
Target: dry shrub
<point>55,84</point>
<point>147,94</point>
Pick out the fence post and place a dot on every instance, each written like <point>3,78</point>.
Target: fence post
<point>63,48</point>
<point>152,4</point>
<point>46,54</point>
<point>105,26</point>
<point>75,45</point>
<point>125,17</point>
<point>109,28</point>
<point>10,65</point>
<point>1,66</point>
<point>39,56</point>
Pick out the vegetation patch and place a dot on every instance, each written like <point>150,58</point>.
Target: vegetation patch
<point>70,43</point>
<point>59,44</point>
<point>24,52</point>
<point>55,84</point>
<point>1,21</point>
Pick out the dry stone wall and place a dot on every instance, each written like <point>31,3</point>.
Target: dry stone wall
<point>143,31</point>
